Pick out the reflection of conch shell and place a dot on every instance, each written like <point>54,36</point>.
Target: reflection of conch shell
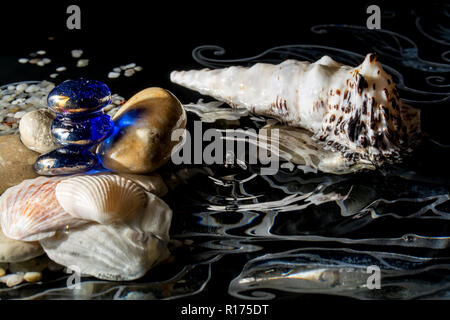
<point>353,110</point>
<point>298,146</point>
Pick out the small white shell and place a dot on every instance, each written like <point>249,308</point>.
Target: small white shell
<point>116,251</point>
<point>29,211</point>
<point>103,198</point>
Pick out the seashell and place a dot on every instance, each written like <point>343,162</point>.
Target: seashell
<point>155,218</point>
<point>30,211</point>
<point>354,110</point>
<point>116,251</point>
<point>153,182</point>
<point>103,198</point>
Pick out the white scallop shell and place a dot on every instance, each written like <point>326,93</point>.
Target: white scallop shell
<point>103,198</point>
<point>29,211</point>
<point>118,251</point>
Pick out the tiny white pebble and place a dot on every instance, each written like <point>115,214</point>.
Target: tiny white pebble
<point>32,276</point>
<point>17,101</point>
<point>61,69</point>
<point>113,75</point>
<point>46,60</point>
<point>130,66</point>
<point>53,75</point>
<point>138,68</point>
<point>32,88</point>
<point>12,280</point>
<point>23,60</point>
<point>288,165</point>
<point>21,87</point>
<point>82,63</point>
<point>19,114</point>
<point>76,53</point>
<point>8,98</point>
<point>128,72</point>
<point>34,61</point>
<point>117,70</point>
<point>41,63</point>
<point>41,52</point>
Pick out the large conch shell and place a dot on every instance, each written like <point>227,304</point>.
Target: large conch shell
<point>103,198</point>
<point>353,110</point>
<point>29,211</point>
<point>119,251</point>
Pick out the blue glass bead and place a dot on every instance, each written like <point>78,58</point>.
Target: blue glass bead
<point>79,124</point>
<point>88,130</point>
<point>76,97</point>
<point>65,160</point>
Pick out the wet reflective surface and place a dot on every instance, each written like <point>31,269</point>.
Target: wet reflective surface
<point>237,233</point>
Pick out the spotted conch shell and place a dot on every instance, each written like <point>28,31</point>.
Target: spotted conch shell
<point>355,110</point>
<point>29,211</point>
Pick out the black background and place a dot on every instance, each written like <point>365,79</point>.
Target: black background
<point>160,36</point>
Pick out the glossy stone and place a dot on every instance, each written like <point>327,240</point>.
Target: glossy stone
<point>65,161</point>
<point>75,97</point>
<point>79,131</point>
<point>79,124</point>
<point>141,141</point>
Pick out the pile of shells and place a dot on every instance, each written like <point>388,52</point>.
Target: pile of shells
<point>110,225</point>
